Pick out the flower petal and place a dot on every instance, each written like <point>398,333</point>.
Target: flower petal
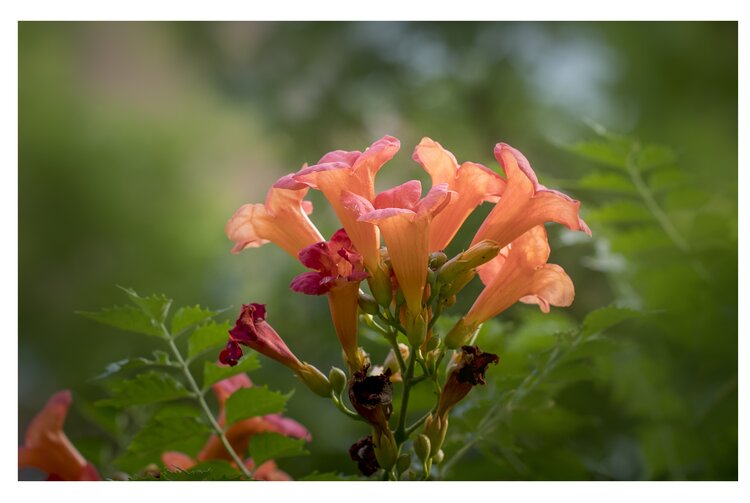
<point>404,196</point>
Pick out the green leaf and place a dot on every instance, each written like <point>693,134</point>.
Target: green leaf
<point>603,318</point>
<point>327,477</point>
<point>620,212</point>
<point>211,335</point>
<point>213,470</point>
<point>605,152</point>
<point>271,445</point>
<point>652,156</point>
<point>174,427</point>
<point>251,402</point>
<point>188,316</point>
<point>149,387</point>
<point>155,306</point>
<point>161,358</point>
<point>608,182</point>
<point>214,372</point>
<point>643,239</point>
<point>127,318</point>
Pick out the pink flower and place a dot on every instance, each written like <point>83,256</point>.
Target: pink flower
<point>471,182</point>
<point>405,221</point>
<point>519,272</point>
<point>354,172</point>
<point>282,220</point>
<point>48,448</point>
<point>339,271</point>
<point>525,203</point>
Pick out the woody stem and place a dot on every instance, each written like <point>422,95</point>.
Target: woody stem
<point>202,401</point>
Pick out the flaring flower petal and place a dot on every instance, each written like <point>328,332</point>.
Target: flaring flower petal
<point>525,203</point>
<point>472,183</point>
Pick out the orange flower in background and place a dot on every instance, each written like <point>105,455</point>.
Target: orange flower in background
<point>48,448</point>
<point>354,172</point>
<point>525,203</point>
<point>519,272</point>
<point>405,221</point>
<point>239,435</point>
<point>471,182</point>
<point>282,220</point>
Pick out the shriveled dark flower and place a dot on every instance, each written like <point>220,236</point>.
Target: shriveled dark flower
<point>363,452</point>
<point>468,372</point>
<point>371,396</point>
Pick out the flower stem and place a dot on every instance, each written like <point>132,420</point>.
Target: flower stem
<point>202,401</point>
<point>407,380</point>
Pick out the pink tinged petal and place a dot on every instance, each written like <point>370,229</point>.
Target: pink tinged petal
<point>270,472</point>
<point>342,156</point>
<point>310,283</point>
<point>435,201</point>
<point>404,196</point>
<point>525,203</point>
<point>316,256</point>
<point>438,162</point>
<point>174,461</point>
<point>521,273</point>
<point>288,427</point>
<point>226,387</point>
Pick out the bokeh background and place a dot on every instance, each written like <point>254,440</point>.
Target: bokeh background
<point>139,140</point>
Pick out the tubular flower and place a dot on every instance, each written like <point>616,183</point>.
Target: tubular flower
<point>339,272</point>
<point>405,221</point>
<point>354,172</point>
<point>239,435</point>
<point>519,272</point>
<point>252,330</point>
<point>48,448</point>
<point>525,203</point>
<point>472,182</point>
<point>282,220</point>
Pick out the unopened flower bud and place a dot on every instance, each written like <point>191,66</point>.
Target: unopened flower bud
<point>380,285</point>
<point>437,259</point>
<point>337,378</point>
<point>458,284</point>
<point>479,254</point>
<point>416,328</point>
<point>432,343</point>
<point>315,380</point>
<point>435,428</point>
<point>386,450</point>
<point>459,334</point>
<point>367,303</point>
<point>403,463</point>
<point>448,301</point>
<point>438,457</point>
<point>422,447</point>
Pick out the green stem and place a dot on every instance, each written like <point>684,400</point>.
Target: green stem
<point>407,380</point>
<point>397,352</point>
<point>419,422</point>
<point>343,408</point>
<point>202,401</point>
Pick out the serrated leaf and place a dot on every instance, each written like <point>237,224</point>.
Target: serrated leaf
<point>271,445</point>
<point>620,212</point>
<point>251,402</point>
<point>652,156</point>
<point>213,470</point>
<point>603,318</point>
<point>205,337</point>
<point>608,182</point>
<point>149,387</point>
<point>214,372</point>
<point>154,306</point>
<point>161,358</point>
<point>127,318</point>
<point>174,427</point>
<point>605,152</point>
<point>188,316</point>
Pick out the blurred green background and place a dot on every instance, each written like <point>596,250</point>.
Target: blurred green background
<point>139,140</point>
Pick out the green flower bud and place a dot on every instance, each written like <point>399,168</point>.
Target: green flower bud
<point>416,329</point>
<point>386,450</point>
<point>315,380</point>
<point>438,457</point>
<point>479,254</point>
<point>337,377</point>
<point>437,259</point>
<point>403,463</point>
<point>380,285</point>
<point>422,447</point>
<point>367,303</point>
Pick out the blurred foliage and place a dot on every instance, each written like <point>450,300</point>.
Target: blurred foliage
<point>138,140</point>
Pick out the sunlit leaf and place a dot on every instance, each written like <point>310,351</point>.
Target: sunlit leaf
<point>605,152</point>
<point>160,358</point>
<point>256,401</point>
<point>271,445</point>
<point>188,316</point>
<point>128,318</point>
<point>652,156</point>
<point>154,306</point>
<point>215,372</point>
<point>211,335</point>
<point>608,182</point>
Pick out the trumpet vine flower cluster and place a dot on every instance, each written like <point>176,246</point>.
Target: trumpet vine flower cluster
<point>386,267</point>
